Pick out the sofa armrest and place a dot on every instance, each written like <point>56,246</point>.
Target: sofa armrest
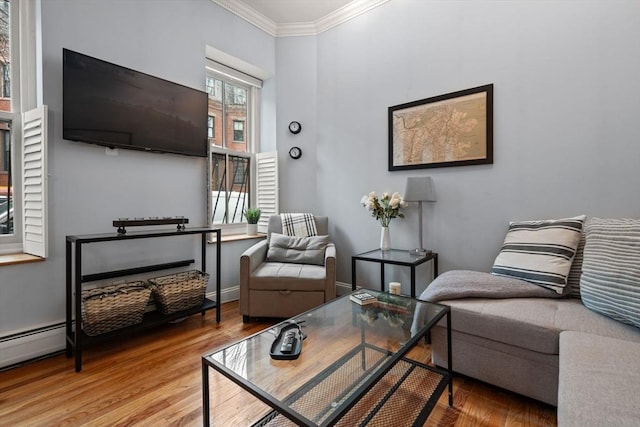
<point>330,271</point>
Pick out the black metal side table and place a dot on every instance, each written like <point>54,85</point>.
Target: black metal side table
<point>394,257</point>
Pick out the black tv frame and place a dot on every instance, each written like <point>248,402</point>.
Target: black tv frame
<point>118,107</point>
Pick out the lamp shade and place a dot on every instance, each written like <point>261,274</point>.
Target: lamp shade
<point>419,189</point>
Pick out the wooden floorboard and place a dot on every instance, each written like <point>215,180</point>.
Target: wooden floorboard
<point>154,379</point>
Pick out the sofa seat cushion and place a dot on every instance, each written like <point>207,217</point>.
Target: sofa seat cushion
<point>286,276</point>
<point>532,323</point>
<point>599,370</point>
<point>513,368</point>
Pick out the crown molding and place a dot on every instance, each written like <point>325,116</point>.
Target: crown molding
<point>345,13</point>
<point>250,15</point>
<point>342,15</point>
<point>296,29</point>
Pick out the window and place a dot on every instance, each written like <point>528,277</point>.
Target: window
<point>6,184</point>
<point>22,134</point>
<point>240,176</point>
<point>211,128</point>
<point>229,201</point>
<point>240,171</point>
<point>6,119</point>
<point>238,131</point>
<point>232,117</point>
<point>214,88</point>
<point>6,80</point>
<point>235,95</point>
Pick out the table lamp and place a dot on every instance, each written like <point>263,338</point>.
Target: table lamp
<point>419,189</point>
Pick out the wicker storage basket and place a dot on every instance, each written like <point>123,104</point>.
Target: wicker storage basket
<point>113,307</point>
<point>180,291</point>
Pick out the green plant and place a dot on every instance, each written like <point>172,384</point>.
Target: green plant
<point>252,215</point>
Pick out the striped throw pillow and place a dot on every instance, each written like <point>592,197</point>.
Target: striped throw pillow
<point>573,279</point>
<point>540,252</point>
<point>610,282</point>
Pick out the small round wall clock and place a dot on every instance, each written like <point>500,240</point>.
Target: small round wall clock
<point>295,153</point>
<point>295,127</point>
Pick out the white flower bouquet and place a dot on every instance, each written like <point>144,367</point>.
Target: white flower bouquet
<point>384,208</point>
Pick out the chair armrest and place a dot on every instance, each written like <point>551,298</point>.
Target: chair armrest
<point>249,261</point>
<point>253,257</point>
<point>330,252</point>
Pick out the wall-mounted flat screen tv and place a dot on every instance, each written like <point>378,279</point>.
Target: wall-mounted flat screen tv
<point>117,107</point>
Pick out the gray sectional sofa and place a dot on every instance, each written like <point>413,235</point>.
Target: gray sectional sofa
<point>544,345</point>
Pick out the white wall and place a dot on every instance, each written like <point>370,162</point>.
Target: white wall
<point>566,108</point>
<point>89,189</point>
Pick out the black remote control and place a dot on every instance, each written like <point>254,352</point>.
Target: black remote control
<point>288,342</point>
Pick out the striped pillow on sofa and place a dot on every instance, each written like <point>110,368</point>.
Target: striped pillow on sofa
<point>610,281</point>
<point>540,252</point>
<point>573,279</point>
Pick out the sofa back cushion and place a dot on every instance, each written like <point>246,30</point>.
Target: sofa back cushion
<point>540,252</point>
<point>610,281</point>
<point>297,250</point>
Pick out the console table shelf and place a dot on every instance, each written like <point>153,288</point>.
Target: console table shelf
<point>129,271</point>
<point>76,338</point>
<point>150,320</point>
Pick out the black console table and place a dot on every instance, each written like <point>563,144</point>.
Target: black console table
<point>75,337</point>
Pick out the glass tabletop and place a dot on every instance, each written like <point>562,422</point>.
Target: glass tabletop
<point>399,256</point>
<point>347,348</point>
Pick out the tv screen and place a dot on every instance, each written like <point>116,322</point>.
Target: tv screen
<point>117,107</point>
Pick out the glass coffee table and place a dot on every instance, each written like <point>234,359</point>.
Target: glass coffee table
<point>352,369</point>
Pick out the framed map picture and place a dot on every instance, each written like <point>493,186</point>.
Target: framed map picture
<point>454,129</point>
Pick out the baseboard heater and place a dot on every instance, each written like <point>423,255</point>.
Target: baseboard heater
<point>21,347</point>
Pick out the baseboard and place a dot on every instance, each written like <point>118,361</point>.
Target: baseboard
<point>229,294</point>
<point>20,347</point>
<point>343,288</point>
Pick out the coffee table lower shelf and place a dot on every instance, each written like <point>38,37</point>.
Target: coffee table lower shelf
<point>408,391</point>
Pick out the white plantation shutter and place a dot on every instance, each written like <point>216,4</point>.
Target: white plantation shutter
<point>34,182</point>
<point>267,187</point>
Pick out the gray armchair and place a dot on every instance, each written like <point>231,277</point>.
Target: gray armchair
<point>283,289</point>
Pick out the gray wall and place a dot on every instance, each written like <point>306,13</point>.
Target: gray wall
<point>566,108</point>
<point>87,188</point>
<point>297,75</point>
<point>567,98</point>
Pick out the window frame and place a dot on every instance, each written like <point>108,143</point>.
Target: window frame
<point>24,90</point>
<point>12,243</point>
<point>251,133</point>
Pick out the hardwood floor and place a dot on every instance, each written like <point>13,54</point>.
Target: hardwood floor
<point>154,379</point>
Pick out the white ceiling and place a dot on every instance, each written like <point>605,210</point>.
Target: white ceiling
<point>283,18</point>
<point>295,11</point>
